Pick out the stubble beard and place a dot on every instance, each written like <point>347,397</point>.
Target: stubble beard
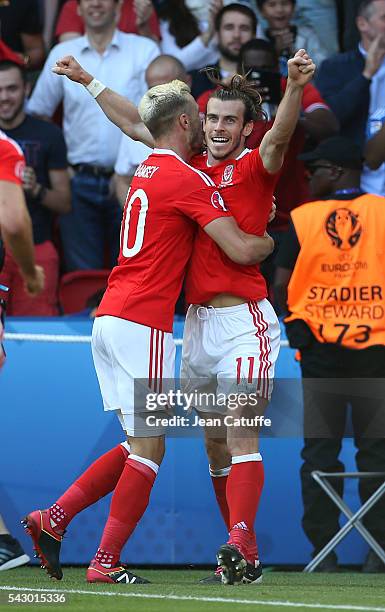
<point>10,119</point>
<point>227,54</point>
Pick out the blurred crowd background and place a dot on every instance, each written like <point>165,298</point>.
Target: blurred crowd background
<point>79,165</point>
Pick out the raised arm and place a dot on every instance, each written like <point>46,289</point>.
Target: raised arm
<point>275,142</point>
<point>240,247</point>
<point>117,108</point>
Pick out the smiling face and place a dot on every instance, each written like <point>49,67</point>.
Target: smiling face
<point>278,13</point>
<point>12,95</point>
<point>225,130</point>
<point>99,14</point>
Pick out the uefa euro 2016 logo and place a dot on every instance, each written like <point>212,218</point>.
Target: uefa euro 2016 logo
<point>217,201</point>
<point>343,228</point>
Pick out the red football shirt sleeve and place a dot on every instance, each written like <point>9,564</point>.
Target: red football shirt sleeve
<point>260,181</point>
<point>69,20</point>
<point>204,205</point>
<point>12,163</point>
<point>312,99</point>
<point>258,170</point>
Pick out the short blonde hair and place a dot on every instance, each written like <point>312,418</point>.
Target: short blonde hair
<point>160,106</point>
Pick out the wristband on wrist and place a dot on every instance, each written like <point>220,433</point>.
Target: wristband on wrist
<point>95,88</point>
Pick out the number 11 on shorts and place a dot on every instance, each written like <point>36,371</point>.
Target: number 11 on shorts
<point>239,369</point>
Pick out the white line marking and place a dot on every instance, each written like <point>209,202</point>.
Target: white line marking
<point>11,336</point>
<point>287,604</point>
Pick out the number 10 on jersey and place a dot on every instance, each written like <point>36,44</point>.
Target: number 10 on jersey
<point>125,238</point>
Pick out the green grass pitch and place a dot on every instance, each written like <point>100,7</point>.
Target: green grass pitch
<point>180,591</point>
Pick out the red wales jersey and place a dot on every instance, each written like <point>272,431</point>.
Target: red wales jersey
<point>166,199</point>
<point>12,161</point>
<point>247,189</point>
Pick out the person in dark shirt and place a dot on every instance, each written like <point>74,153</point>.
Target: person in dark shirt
<point>21,29</point>
<point>46,187</point>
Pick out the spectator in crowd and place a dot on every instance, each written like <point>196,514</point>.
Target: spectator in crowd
<point>49,10</point>
<point>135,17</point>
<point>234,25</point>
<point>348,33</point>
<point>336,321</point>
<point>259,55</point>
<point>92,141</point>
<point>258,58</point>
<point>201,8</point>
<point>21,30</point>
<point>286,37</point>
<point>353,84</point>
<point>321,17</point>
<point>162,69</point>
<point>185,36</point>
<point>46,188</point>
<point>375,150</point>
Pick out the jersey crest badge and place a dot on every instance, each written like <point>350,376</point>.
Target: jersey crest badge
<point>227,176</point>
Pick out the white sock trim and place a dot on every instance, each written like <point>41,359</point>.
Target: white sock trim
<point>219,473</point>
<point>151,464</point>
<point>246,458</point>
<point>126,446</point>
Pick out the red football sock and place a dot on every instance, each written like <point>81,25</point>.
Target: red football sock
<point>219,480</point>
<point>97,481</point>
<point>128,504</point>
<point>244,488</point>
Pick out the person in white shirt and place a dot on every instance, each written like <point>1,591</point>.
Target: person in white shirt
<point>162,69</point>
<point>188,35</point>
<point>286,37</point>
<point>92,141</point>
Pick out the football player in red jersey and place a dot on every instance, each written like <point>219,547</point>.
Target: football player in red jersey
<point>15,222</point>
<point>15,234</point>
<point>229,300</point>
<point>132,343</point>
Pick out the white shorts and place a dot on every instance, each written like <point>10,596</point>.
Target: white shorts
<point>132,361</point>
<point>229,351</point>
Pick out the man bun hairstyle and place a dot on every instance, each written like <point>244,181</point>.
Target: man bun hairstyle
<point>241,89</point>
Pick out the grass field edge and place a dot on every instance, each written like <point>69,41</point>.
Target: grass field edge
<point>288,604</point>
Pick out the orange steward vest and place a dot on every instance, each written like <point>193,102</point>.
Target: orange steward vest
<point>338,282</point>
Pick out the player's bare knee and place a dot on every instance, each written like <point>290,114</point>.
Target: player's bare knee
<point>217,453</point>
<point>150,448</point>
<point>242,442</point>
